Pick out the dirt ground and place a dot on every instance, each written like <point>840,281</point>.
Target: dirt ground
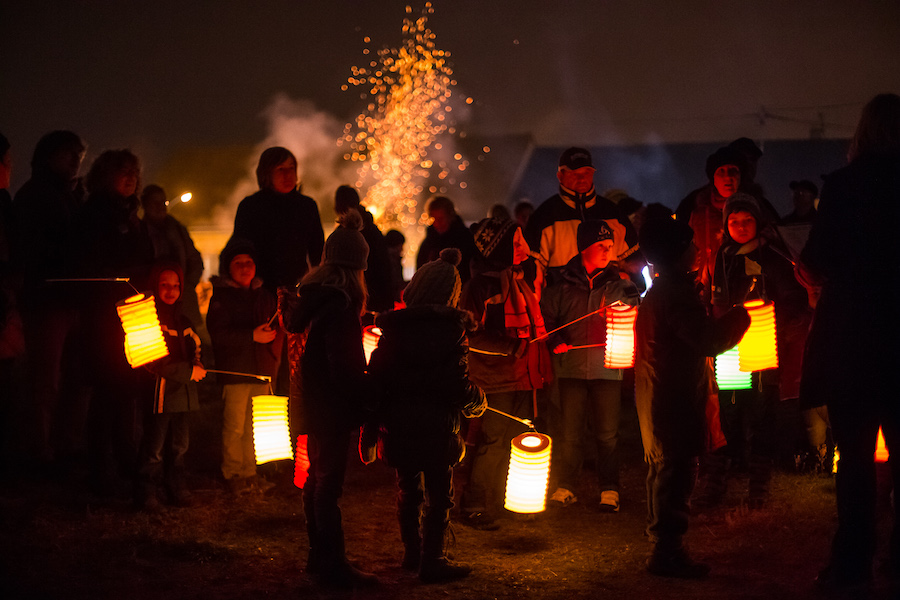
<point>59,541</point>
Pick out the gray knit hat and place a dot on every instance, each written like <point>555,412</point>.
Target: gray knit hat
<point>436,282</point>
<point>346,246</point>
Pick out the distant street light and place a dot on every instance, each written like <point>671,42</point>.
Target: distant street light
<point>185,197</point>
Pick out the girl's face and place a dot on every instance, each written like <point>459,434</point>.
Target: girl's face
<point>741,226</point>
<point>242,270</point>
<point>169,287</point>
<point>284,177</point>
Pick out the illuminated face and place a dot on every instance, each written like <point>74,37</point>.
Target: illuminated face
<point>578,180</point>
<point>520,248</point>
<point>741,226</point>
<point>597,255</point>
<point>727,179</point>
<point>242,270</point>
<point>441,220</point>
<point>125,182</point>
<point>5,170</point>
<point>284,177</point>
<point>169,287</point>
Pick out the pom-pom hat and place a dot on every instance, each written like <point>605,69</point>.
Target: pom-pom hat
<point>436,282</point>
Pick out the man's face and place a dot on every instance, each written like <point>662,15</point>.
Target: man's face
<point>284,177</point>
<point>169,287</point>
<point>578,180</point>
<point>441,220</point>
<point>126,181</point>
<point>155,208</point>
<point>242,270</point>
<point>803,201</point>
<point>741,226</point>
<point>727,179</point>
<point>597,255</point>
<point>66,162</point>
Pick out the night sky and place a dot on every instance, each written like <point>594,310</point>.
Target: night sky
<point>161,76</point>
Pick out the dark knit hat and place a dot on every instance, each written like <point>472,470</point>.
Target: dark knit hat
<point>576,158</point>
<point>591,232</point>
<point>436,282</point>
<point>494,240</point>
<point>742,202</point>
<point>805,184</point>
<point>234,247</point>
<point>663,241</point>
<point>346,246</point>
<point>725,156</point>
<point>747,147</point>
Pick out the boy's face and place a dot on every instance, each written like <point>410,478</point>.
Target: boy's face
<point>242,270</point>
<point>741,226</point>
<point>169,287</point>
<point>597,255</point>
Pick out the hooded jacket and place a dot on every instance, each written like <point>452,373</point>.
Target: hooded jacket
<point>421,370</point>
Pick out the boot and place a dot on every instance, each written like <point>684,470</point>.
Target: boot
<point>715,481</point>
<point>435,566</point>
<point>345,576</point>
<point>412,540</point>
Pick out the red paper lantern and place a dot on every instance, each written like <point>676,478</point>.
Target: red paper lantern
<point>371,335</point>
<point>301,462</point>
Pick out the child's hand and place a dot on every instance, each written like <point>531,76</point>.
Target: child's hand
<point>198,373</point>
<point>561,348</point>
<point>263,334</point>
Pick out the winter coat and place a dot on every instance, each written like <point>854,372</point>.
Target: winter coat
<point>234,312</point>
<point>459,237</point>
<point>334,393</point>
<point>571,295</point>
<point>421,370</point>
<point>171,241</point>
<point>853,246</point>
<point>703,211</point>
<point>378,269</point>
<point>673,338</point>
<point>286,231</point>
<point>500,362</point>
<point>175,392</point>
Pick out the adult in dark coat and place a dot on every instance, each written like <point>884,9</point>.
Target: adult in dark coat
<point>674,336</point>
<point>852,354</point>
<point>421,369</point>
<point>447,231</point>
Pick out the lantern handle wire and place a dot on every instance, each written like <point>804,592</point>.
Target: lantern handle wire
<point>603,307</point>
<point>526,422</point>
<point>265,378</point>
<point>96,279</point>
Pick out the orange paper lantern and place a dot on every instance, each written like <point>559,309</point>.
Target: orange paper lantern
<point>758,348</point>
<point>301,462</point>
<point>881,449</point>
<point>144,340</point>
<point>371,335</point>
<point>271,434</point>
<point>529,473</point>
<point>620,336</point>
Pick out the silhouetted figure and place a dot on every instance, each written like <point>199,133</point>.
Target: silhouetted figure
<point>394,240</point>
<point>447,230</point>
<point>522,212</point>
<point>804,194</point>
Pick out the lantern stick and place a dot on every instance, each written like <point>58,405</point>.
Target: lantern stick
<point>96,279</point>
<point>488,352</point>
<point>552,331</point>
<point>525,422</point>
<point>588,346</point>
<point>272,320</point>
<point>265,378</point>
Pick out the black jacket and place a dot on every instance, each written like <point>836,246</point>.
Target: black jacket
<point>378,269</point>
<point>458,236</point>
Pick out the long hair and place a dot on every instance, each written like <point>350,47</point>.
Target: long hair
<point>49,145</point>
<point>878,129</point>
<point>101,177</point>
<point>268,160</point>
<point>351,281</point>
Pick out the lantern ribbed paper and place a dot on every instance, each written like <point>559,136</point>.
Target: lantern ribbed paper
<point>529,473</point>
<point>881,449</point>
<point>620,336</point>
<point>371,335</point>
<point>758,348</point>
<point>271,434</point>
<point>301,462</point>
<point>144,340</point>
<point>728,373</point>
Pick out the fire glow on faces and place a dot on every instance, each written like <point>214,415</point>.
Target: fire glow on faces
<point>727,179</point>
<point>169,287</point>
<point>284,177</point>
<point>242,270</point>
<point>578,180</point>
<point>741,226</point>
<point>597,255</point>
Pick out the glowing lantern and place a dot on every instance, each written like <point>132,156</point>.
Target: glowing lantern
<point>620,336</point>
<point>758,349</point>
<point>881,449</point>
<point>728,373</point>
<point>144,340</point>
<point>529,473</point>
<point>271,434</point>
<point>371,335</point>
<point>301,462</point>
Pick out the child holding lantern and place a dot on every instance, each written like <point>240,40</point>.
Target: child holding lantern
<point>166,433</point>
<point>587,389</point>
<point>674,335</point>
<point>421,368</point>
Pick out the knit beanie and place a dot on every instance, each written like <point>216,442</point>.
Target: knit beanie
<point>591,232</point>
<point>436,282</point>
<point>234,247</point>
<point>346,246</point>
<point>725,156</point>
<point>742,202</point>
<point>494,240</point>
<point>663,241</point>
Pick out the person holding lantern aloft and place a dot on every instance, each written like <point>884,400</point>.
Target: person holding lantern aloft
<point>421,369</point>
<point>336,399</point>
<point>505,363</point>
<point>674,335</point>
<point>587,389</point>
<point>749,268</point>
<point>244,341</point>
<point>166,431</point>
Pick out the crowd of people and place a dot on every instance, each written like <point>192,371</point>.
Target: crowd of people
<point>507,314</point>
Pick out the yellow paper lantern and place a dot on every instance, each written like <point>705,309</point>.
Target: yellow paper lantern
<point>758,348</point>
<point>271,434</point>
<point>881,449</point>
<point>144,340</point>
<point>371,335</point>
<point>529,473</point>
<point>620,336</point>
<point>728,373</point>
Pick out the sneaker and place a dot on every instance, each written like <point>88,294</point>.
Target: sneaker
<point>679,565</point>
<point>563,497</point>
<point>260,484</point>
<point>480,521</point>
<point>237,486</point>
<point>609,501</point>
